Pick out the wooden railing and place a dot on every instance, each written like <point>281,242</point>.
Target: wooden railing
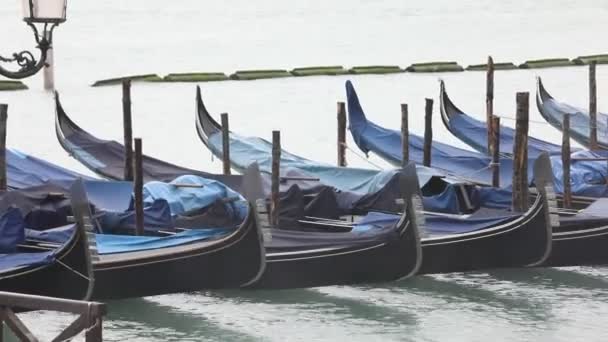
<point>89,319</point>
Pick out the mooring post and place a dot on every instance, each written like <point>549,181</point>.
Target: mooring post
<point>520,154</point>
<point>127,129</point>
<point>274,188</point>
<point>3,121</point>
<point>495,150</point>
<point>341,134</point>
<point>490,99</point>
<point>225,144</point>
<point>592,107</point>
<point>566,161</point>
<point>139,189</point>
<point>428,131</point>
<point>405,136</point>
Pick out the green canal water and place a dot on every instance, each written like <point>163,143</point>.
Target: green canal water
<point>110,38</point>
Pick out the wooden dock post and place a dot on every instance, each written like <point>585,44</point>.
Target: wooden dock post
<point>341,134</point>
<point>274,188</point>
<point>405,136</point>
<point>3,122</point>
<point>490,100</point>
<point>592,107</point>
<point>566,161</point>
<point>139,189</point>
<point>495,150</point>
<point>225,144</point>
<point>128,129</point>
<point>428,131</point>
<point>520,154</point>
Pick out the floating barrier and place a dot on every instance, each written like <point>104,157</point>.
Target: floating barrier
<point>12,85</point>
<point>259,74</point>
<point>546,63</point>
<point>375,69</point>
<point>320,71</point>
<point>196,77</point>
<point>583,60</point>
<point>133,78</point>
<point>435,67</point>
<point>497,66</point>
<point>333,70</point>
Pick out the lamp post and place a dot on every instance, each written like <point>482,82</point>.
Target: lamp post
<point>47,14</point>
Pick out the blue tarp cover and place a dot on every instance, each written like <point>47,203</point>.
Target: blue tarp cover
<point>387,144</point>
<point>441,224</point>
<point>246,150</point>
<point>475,134</point>
<point>108,244</point>
<point>25,171</point>
<point>12,230</point>
<point>186,199</point>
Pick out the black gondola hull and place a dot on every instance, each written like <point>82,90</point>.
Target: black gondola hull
<point>520,244</point>
<point>397,257</point>
<point>579,247</point>
<point>69,276</point>
<point>230,262</point>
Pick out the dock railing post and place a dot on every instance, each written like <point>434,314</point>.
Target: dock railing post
<point>341,134</point>
<point>520,154</point>
<point>405,136</point>
<point>495,151</point>
<point>490,99</point>
<point>3,122</point>
<point>566,161</point>
<point>428,132</point>
<point>592,107</point>
<point>275,178</point>
<point>225,144</point>
<point>127,129</point>
<point>139,184</point>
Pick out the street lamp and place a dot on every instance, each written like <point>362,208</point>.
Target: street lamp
<point>48,14</point>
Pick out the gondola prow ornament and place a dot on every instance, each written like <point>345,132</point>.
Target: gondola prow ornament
<point>47,14</point>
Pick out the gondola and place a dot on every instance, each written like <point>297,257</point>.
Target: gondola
<point>586,184</point>
<point>298,258</point>
<point>518,241</point>
<point>474,132</point>
<point>177,264</point>
<point>577,240</point>
<point>40,267</point>
<point>442,192</point>
<point>553,112</point>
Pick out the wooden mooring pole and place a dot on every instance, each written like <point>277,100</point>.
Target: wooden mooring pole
<point>274,188</point>
<point>520,154</point>
<point>341,134</point>
<point>592,107</point>
<point>495,150</point>
<point>490,100</point>
<point>139,191</point>
<point>3,122</point>
<point>405,136</point>
<point>127,129</point>
<point>225,144</point>
<point>428,132</point>
<point>566,161</point>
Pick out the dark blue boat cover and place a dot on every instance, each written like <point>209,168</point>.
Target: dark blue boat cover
<point>553,111</point>
<point>25,171</point>
<point>475,134</point>
<point>12,230</point>
<point>387,144</point>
